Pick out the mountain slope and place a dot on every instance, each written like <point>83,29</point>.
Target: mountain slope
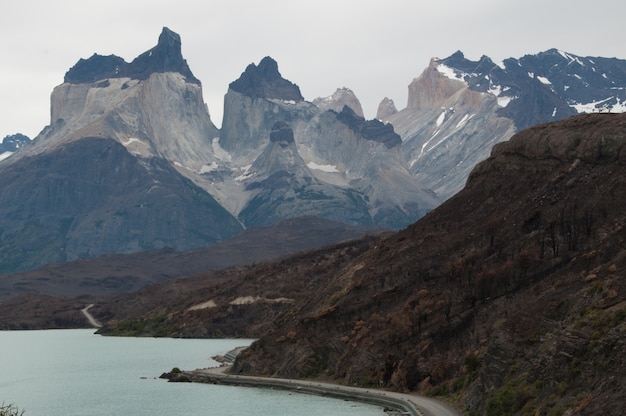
<point>117,273</point>
<point>92,197</point>
<point>508,298</point>
<point>510,288</point>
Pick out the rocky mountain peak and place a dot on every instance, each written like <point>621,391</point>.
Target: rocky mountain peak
<point>166,56</point>
<point>340,98</point>
<point>95,68</point>
<point>386,108</point>
<point>264,81</point>
<point>13,142</point>
<point>433,87</point>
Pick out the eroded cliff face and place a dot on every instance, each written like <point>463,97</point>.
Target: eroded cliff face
<point>163,116</point>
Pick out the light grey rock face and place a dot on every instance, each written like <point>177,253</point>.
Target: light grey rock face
<point>248,121</point>
<point>162,116</point>
<point>340,98</point>
<point>281,185</point>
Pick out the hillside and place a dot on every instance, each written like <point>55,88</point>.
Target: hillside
<point>113,274</point>
<point>508,299</point>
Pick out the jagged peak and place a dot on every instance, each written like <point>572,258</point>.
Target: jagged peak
<point>265,81</point>
<point>340,98</point>
<point>459,62</point>
<point>166,56</point>
<point>12,143</point>
<point>386,108</point>
<point>458,55</point>
<point>95,68</point>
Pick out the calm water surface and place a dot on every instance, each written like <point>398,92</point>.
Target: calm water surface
<point>74,372</point>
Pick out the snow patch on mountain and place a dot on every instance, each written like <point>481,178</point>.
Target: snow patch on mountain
<point>599,106</point>
<point>212,167</point>
<point>441,118</point>
<point>246,173</point>
<point>136,146</point>
<point>464,121</point>
<point>451,73</point>
<point>323,168</point>
<point>497,90</point>
<point>544,80</point>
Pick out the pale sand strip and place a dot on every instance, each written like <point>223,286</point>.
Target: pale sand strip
<point>405,404</point>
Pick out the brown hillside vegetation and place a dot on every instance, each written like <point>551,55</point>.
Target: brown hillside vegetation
<point>510,298</point>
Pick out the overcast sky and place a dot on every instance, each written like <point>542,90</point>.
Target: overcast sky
<point>375,48</point>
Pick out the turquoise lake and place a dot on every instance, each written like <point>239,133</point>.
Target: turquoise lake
<point>75,372</point>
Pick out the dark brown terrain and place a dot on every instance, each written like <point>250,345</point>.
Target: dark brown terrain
<point>510,298</point>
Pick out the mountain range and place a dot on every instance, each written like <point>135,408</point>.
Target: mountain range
<point>503,292</point>
<point>131,160</point>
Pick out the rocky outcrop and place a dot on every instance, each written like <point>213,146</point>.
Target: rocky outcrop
<point>281,133</point>
<point>166,56</point>
<point>281,185</point>
<point>386,108</point>
<point>370,129</point>
<point>264,81</point>
<point>13,142</point>
<point>340,98</point>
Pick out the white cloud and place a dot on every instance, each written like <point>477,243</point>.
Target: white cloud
<point>373,48</point>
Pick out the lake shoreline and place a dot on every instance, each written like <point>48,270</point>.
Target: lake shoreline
<point>391,402</point>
